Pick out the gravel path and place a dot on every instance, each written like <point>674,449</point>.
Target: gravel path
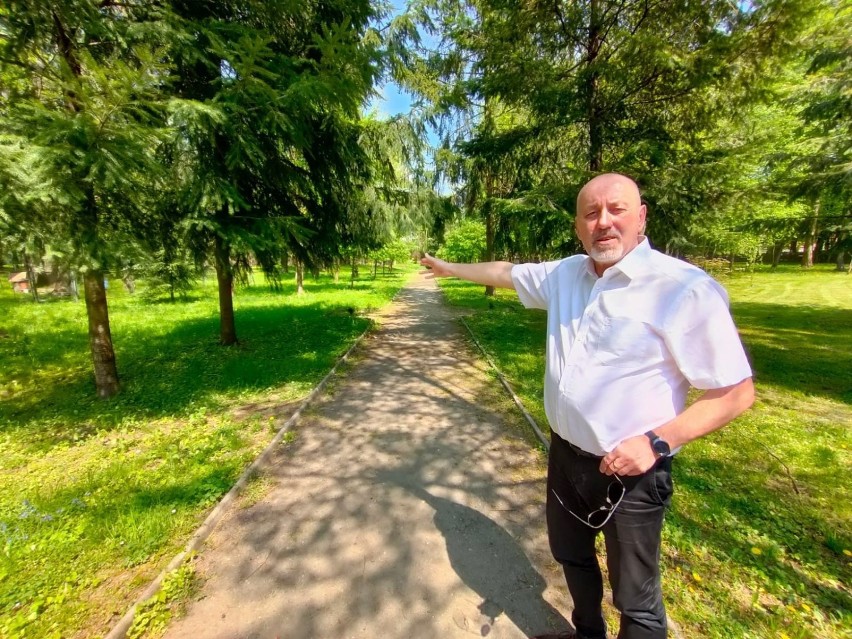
<point>407,507</point>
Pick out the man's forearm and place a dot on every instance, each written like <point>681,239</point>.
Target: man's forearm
<point>711,411</point>
<point>498,274</point>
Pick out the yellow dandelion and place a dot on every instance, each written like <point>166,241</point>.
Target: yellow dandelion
<point>696,576</point>
<point>806,607</point>
<point>847,552</point>
<point>756,551</point>
<point>783,635</point>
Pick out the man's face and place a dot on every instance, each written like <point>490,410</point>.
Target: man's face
<point>610,219</point>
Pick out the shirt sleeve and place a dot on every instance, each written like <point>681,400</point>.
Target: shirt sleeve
<point>532,283</point>
<point>701,336</point>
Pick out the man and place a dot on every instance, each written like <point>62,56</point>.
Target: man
<point>629,330</point>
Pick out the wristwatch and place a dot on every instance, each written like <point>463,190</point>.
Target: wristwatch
<point>659,445</point>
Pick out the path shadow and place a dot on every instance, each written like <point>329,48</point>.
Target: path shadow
<point>403,505</point>
<point>491,563</point>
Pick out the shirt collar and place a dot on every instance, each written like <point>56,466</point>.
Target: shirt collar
<point>632,264</point>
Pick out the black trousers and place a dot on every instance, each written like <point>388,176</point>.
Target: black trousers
<point>632,537</point>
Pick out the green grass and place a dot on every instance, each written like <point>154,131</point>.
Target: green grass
<point>757,544</point>
<point>97,496</point>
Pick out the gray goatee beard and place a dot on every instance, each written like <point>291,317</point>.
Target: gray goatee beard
<point>607,255</point>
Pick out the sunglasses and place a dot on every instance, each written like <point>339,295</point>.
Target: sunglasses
<point>598,518</point>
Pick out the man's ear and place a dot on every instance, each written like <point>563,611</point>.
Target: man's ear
<point>643,213</point>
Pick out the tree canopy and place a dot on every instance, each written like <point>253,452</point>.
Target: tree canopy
<point>532,99</point>
<point>160,139</point>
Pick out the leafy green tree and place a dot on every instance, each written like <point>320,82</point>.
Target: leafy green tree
<point>83,106</point>
<point>777,170</point>
<point>269,148</point>
<point>390,253</point>
<point>597,85</point>
<point>395,198</point>
<point>824,101</point>
<point>464,242</point>
<point>820,169</point>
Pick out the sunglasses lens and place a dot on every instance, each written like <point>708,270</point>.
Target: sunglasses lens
<point>598,518</point>
<point>615,492</point>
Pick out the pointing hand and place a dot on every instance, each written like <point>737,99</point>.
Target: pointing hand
<point>437,268</point>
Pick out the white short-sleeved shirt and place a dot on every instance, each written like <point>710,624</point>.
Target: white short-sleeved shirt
<point>624,348</point>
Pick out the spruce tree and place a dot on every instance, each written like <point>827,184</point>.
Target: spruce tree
<point>82,106</point>
<point>270,146</point>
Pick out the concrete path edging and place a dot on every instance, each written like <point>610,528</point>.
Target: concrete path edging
<point>530,419</point>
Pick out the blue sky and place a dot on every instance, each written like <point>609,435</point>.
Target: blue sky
<point>391,101</point>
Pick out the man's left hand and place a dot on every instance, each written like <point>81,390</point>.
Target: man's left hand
<point>633,456</point>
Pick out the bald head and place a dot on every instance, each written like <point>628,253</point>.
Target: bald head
<point>611,182</point>
<point>610,218</point>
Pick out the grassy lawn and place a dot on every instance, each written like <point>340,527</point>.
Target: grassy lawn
<point>757,544</point>
<point>97,496</point>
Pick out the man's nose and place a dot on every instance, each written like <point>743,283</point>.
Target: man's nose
<point>604,218</point>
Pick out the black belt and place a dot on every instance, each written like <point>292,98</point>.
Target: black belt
<point>581,452</point>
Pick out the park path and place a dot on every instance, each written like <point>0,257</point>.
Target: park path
<point>405,508</point>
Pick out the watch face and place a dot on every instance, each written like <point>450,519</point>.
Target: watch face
<point>661,447</point>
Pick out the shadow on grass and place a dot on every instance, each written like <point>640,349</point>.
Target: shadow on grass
<point>118,507</point>
<point>175,372</point>
<point>179,299</point>
<point>800,348</point>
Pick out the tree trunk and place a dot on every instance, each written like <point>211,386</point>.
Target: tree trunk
<point>31,276</point>
<point>300,278</point>
<point>94,288</point>
<point>285,262</point>
<point>489,231</point>
<point>841,260</point>
<point>225,277</point>
<point>776,254</point>
<point>488,205</point>
<point>354,272</point>
<point>100,339</point>
<point>335,269</point>
<point>810,242</point>
<point>593,47</point>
